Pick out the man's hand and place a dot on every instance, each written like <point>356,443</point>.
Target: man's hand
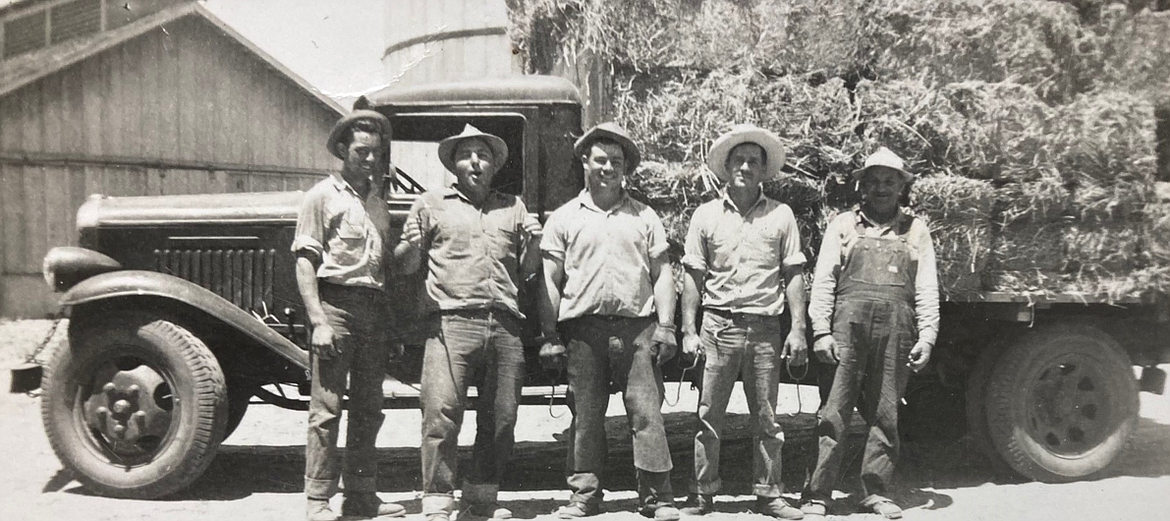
<point>920,355</point>
<point>322,342</point>
<point>796,348</point>
<point>692,349</point>
<point>665,345</point>
<point>826,349</point>
<point>553,354</point>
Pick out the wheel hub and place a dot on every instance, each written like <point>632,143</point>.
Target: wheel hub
<point>130,408</point>
<point>1069,412</point>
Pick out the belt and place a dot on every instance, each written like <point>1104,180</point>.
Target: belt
<point>732,315</point>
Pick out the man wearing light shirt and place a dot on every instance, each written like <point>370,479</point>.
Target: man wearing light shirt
<point>874,310</point>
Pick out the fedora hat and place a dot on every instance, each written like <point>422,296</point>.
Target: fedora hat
<point>344,123</point>
<point>613,131</point>
<point>746,133</point>
<point>447,147</point>
<point>884,157</point>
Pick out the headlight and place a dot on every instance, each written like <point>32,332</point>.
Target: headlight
<point>65,266</point>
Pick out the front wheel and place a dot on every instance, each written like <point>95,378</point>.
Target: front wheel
<point>1063,402</point>
<point>135,406</point>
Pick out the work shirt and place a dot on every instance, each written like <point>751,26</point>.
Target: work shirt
<point>473,253</point>
<point>742,254</point>
<point>840,236</point>
<point>606,255</point>
<point>347,233</point>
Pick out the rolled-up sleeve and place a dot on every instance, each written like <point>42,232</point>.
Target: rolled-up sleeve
<point>310,230</point>
<point>793,256</point>
<point>416,230</point>
<point>552,243</point>
<point>657,245</point>
<point>824,288</point>
<point>926,305</point>
<point>695,247</point>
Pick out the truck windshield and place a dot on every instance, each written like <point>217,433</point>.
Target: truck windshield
<point>414,149</point>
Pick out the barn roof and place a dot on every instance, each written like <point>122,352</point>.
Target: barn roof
<point>23,70</point>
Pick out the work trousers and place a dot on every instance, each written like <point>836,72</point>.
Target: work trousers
<point>874,333</point>
<point>738,344</point>
<point>358,318</point>
<point>469,347</point>
<point>610,354</point>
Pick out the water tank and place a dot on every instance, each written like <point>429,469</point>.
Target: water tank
<point>441,40</point>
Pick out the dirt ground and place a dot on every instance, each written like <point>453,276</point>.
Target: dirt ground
<point>257,474</point>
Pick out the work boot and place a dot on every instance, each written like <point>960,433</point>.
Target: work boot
<point>699,505</point>
<point>778,508</point>
<point>660,512</point>
<point>577,510</point>
<point>318,510</point>
<point>814,510</point>
<point>883,507</point>
<point>369,505</point>
<point>489,510</point>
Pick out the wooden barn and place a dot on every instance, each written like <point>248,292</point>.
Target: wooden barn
<point>139,97</point>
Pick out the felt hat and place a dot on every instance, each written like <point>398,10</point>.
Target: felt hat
<point>496,143</point>
<point>613,131</point>
<point>884,157</point>
<point>344,123</point>
<point>746,133</point>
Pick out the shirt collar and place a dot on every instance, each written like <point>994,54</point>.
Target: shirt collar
<point>453,192</point>
<point>899,216</point>
<point>586,201</point>
<point>727,202</point>
<point>342,185</point>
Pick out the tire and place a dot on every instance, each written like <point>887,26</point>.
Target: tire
<point>238,401</point>
<point>149,377</point>
<point>1062,403</point>
<point>976,403</point>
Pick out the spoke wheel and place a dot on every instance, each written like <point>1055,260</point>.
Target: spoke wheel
<point>136,406</point>
<point>1063,401</point>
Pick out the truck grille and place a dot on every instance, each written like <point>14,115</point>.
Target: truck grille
<point>243,276</point>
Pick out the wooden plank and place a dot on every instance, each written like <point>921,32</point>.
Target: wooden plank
<point>73,110</point>
<point>35,216</point>
<point>92,99</point>
<point>12,208</point>
<point>58,225</point>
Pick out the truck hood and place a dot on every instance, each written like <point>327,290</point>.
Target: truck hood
<point>254,207</point>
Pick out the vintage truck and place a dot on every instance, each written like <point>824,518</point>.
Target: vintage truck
<point>183,310</point>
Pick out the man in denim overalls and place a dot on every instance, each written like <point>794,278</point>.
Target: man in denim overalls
<point>874,312</point>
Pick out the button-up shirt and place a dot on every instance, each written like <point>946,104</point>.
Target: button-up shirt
<point>606,255</point>
<point>473,253</point>
<point>841,235</point>
<point>742,254</point>
<point>346,232</point>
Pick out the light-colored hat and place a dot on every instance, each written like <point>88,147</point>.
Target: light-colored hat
<point>447,146</point>
<point>610,130</point>
<point>886,158</point>
<point>344,123</point>
<point>746,133</point>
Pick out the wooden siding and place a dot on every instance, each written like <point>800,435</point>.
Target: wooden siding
<point>183,95</point>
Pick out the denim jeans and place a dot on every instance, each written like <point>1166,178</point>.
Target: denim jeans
<point>358,317</point>
<point>610,354</point>
<point>874,335</point>
<point>749,345</point>
<point>469,347</point>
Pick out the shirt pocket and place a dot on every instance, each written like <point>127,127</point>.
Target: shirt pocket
<point>348,246</point>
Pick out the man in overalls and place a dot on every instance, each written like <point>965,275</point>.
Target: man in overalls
<point>874,313</point>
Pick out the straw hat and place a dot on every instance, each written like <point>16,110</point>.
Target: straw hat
<point>884,157</point>
<point>746,133</point>
<point>610,130</point>
<point>447,147</point>
<point>344,123</point>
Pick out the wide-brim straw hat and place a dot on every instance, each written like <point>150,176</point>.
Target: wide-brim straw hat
<point>613,131</point>
<point>496,143</point>
<point>746,133</point>
<point>344,123</point>
<point>884,157</point>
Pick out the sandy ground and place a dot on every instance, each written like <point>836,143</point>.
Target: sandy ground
<point>257,474</point>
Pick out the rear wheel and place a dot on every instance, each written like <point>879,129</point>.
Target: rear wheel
<point>976,402</point>
<point>136,405</point>
<point>1062,403</point>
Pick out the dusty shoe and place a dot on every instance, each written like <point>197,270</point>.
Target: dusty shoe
<point>778,508</point>
<point>886,508</point>
<point>814,510</point>
<point>664,513</point>
<point>576,510</point>
<point>699,505</point>
<point>369,505</point>
<point>489,510</point>
<point>318,510</point>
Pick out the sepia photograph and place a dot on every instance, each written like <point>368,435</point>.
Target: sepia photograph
<point>468,260</point>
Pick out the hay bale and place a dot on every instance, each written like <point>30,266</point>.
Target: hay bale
<point>959,213</point>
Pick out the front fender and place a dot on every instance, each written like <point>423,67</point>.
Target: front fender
<point>134,283</point>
